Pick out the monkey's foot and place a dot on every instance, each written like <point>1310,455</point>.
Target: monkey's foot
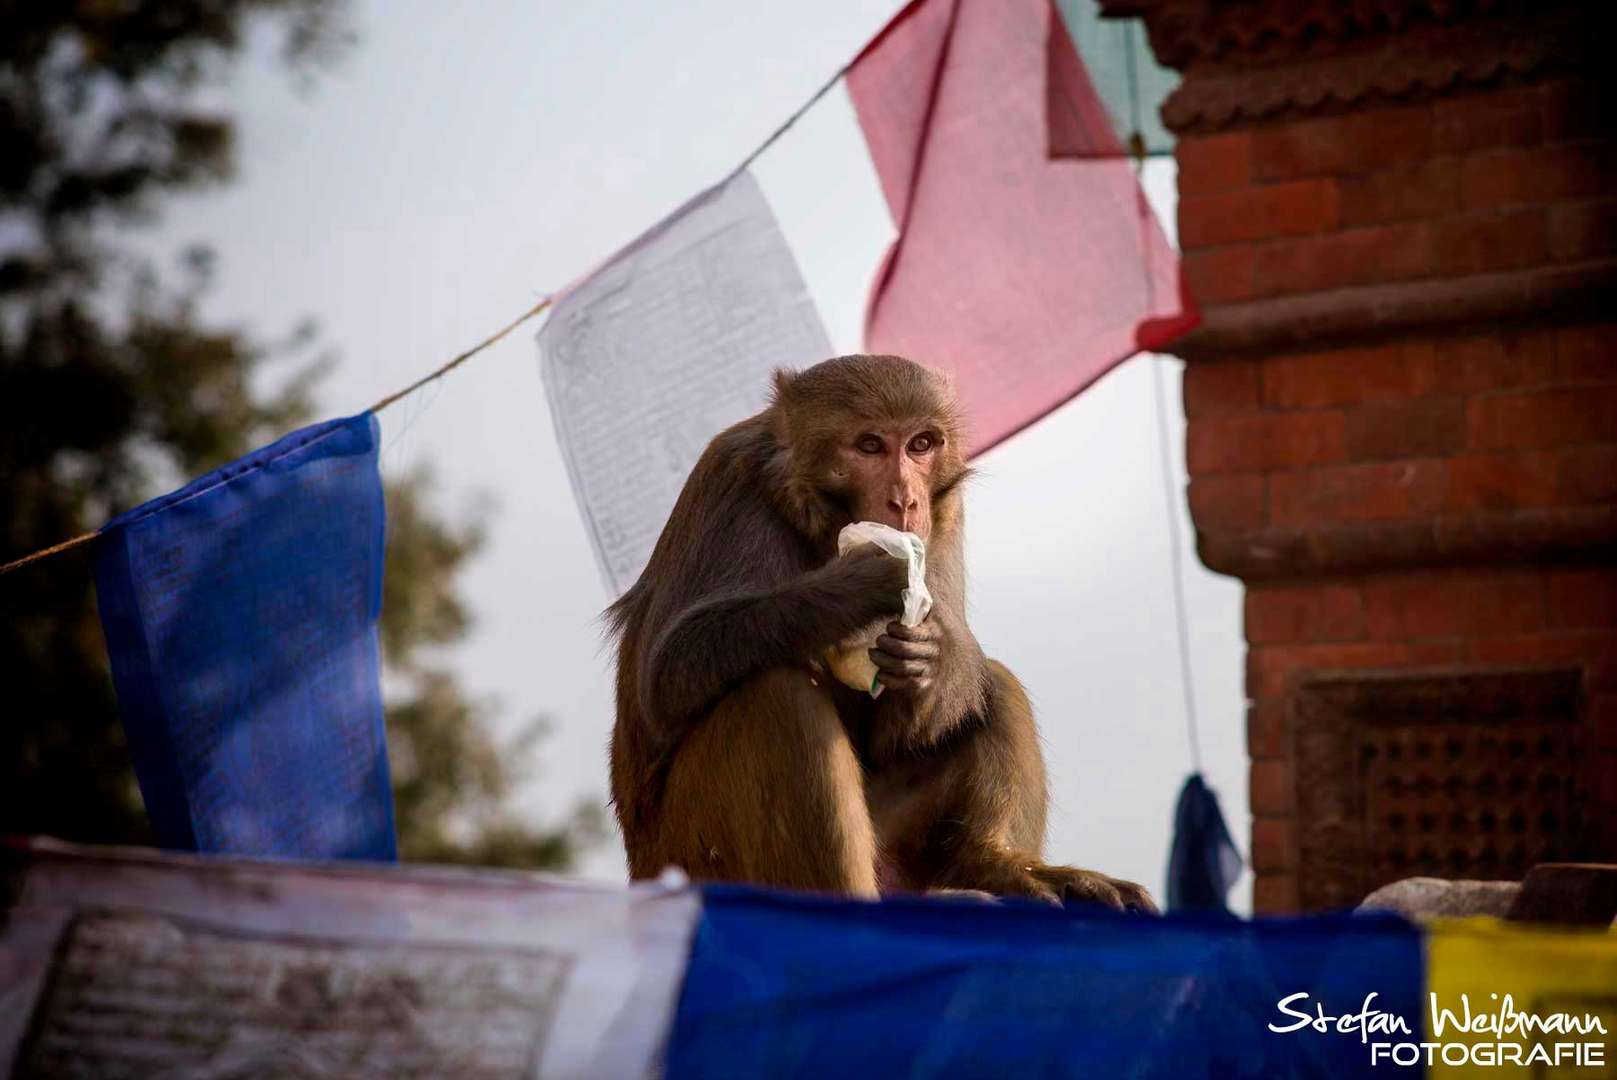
<point>1069,884</point>
<point>1021,877</point>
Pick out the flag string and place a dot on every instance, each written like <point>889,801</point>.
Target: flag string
<point>54,549</point>
<point>431,376</point>
<point>451,365</point>
<point>797,114</point>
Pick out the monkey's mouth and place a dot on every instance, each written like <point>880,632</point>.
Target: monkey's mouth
<point>920,523</point>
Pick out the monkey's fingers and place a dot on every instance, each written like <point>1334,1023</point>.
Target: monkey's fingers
<point>1091,891</point>
<point>909,650</point>
<point>907,685</point>
<point>1089,886</point>
<point>899,665</point>
<point>1134,897</point>
<point>925,630</point>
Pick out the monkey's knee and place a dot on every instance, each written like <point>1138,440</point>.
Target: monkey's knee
<point>767,789</point>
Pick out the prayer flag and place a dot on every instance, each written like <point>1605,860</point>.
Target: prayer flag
<point>665,346</point>
<point>240,615</point>
<point>526,975</point>
<point>787,986</point>
<point>1203,862</point>
<point>1026,275</point>
<point>1126,76</point>
<point>1495,985</point>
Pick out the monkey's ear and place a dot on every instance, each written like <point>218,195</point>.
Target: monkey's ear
<point>780,405</point>
<point>783,379</point>
<point>951,482</point>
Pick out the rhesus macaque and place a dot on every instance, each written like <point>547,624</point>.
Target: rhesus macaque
<point>736,756</point>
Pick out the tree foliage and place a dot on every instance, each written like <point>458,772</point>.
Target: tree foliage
<point>114,388</point>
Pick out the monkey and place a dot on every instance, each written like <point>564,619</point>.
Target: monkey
<point>735,756</point>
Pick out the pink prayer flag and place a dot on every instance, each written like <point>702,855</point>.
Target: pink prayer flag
<point>1026,275</point>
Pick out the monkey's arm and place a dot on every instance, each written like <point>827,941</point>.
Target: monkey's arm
<point>714,644</point>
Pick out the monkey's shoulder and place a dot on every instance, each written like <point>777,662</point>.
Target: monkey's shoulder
<point>740,450</point>
<point>724,531</point>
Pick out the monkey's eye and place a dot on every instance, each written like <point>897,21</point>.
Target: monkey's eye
<point>923,443</point>
<point>869,444</point>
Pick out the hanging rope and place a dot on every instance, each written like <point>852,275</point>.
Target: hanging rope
<point>462,358</point>
<point>54,549</point>
<point>432,376</point>
<point>1187,680</point>
<point>1176,554</point>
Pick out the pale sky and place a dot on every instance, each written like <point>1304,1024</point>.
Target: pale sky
<point>465,159</point>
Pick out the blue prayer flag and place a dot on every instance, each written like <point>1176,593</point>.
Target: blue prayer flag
<point>240,615</point>
<point>1203,862</point>
<point>785,986</point>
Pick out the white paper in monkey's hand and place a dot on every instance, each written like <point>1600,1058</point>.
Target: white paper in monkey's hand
<point>850,662</point>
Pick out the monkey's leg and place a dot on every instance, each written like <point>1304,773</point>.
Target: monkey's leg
<point>767,789</point>
<point>988,829</point>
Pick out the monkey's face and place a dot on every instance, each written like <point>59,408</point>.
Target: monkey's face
<point>887,472</point>
<point>869,438</point>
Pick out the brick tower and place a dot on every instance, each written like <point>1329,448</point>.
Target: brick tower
<point>1400,218</point>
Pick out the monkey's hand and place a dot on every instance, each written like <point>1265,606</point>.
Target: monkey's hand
<point>906,657</point>
<point>871,582</point>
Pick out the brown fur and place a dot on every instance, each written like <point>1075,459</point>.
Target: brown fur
<point>736,758</point>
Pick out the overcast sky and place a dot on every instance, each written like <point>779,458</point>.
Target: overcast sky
<point>463,160</point>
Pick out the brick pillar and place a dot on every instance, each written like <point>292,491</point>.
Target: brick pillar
<point>1400,218</point>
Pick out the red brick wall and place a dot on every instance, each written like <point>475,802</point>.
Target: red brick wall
<point>1427,426</point>
<point>1420,428</point>
<point>1491,181</point>
<point>1550,616</point>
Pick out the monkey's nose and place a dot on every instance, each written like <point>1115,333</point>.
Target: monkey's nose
<point>904,508</point>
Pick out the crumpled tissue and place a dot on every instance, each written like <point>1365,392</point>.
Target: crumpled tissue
<point>850,661</point>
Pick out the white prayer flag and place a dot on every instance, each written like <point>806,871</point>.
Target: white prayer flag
<point>129,962</point>
<point>665,346</point>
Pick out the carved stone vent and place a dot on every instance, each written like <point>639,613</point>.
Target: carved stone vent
<point>1470,774</point>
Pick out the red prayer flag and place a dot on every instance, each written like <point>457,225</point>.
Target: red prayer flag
<point>1026,275</point>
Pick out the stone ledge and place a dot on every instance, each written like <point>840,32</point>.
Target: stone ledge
<point>1567,894</point>
<point>1440,898</point>
<point>1558,535</point>
<point>1207,34</point>
<point>1449,60</point>
<point>1313,321</point>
